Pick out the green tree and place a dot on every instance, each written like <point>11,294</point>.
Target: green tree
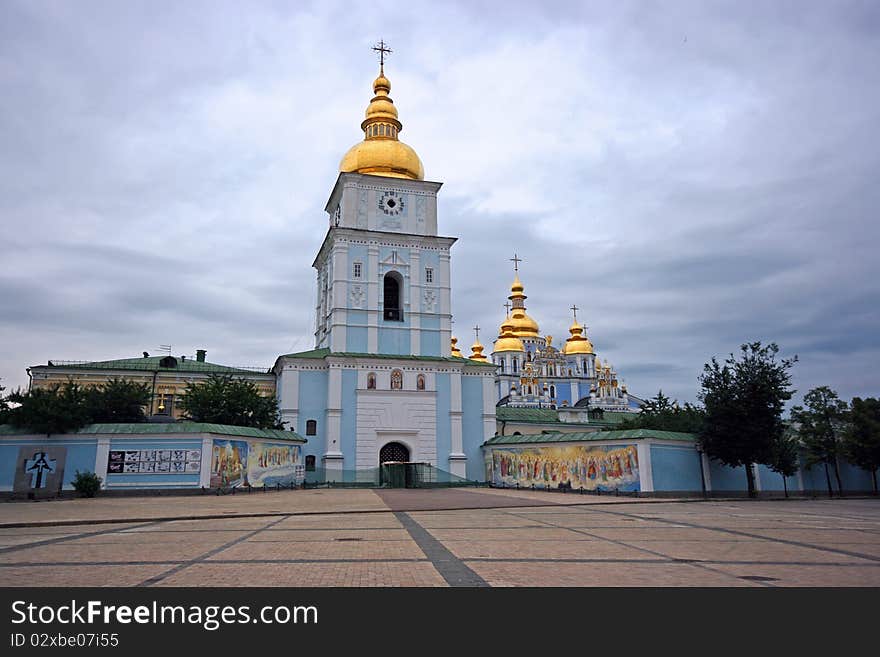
<point>743,399</point>
<point>820,423</point>
<point>57,409</point>
<point>118,400</point>
<point>861,438</point>
<point>4,407</point>
<point>784,457</point>
<point>225,400</point>
<point>662,414</point>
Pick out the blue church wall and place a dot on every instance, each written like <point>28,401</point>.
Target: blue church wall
<point>727,478</point>
<point>313,406</point>
<point>394,339</point>
<point>472,426</point>
<point>348,422</point>
<point>430,335</point>
<point>444,423</point>
<point>676,468</point>
<point>772,481</point>
<point>852,478</point>
<point>80,456</point>
<point>356,332</point>
<point>153,480</point>
<point>358,253</point>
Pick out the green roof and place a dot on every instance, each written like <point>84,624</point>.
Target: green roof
<point>590,436</point>
<point>152,364</point>
<point>324,353</point>
<point>511,413</point>
<point>168,428</point>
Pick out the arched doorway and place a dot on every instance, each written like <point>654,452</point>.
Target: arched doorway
<point>391,297</point>
<point>394,452</point>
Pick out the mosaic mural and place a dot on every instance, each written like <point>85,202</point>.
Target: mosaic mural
<point>578,467</point>
<point>237,463</point>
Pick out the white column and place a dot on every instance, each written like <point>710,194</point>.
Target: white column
<point>489,424</point>
<point>444,287</point>
<point>288,397</point>
<point>646,473</point>
<point>207,453</point>
<point>333,430</point>
<point>338,296</point>
<point>707,476</point>
<point>415,302</point>
<point>457,458</point>
<point>372,275</point>
<point>102,458</point>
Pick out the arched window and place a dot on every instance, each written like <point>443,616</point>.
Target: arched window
<point>392,289</point>
<point>517,433</point>
<point>552,391</point>
<point>311,427</point>
<point>396,380</point>
<point>420,382</point>
<point>371,381</point>
<point>310,463</point>
<point>515,362</point>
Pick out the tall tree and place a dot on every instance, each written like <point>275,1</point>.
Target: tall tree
<point>225,400</point>
<point>743,399</point>
<point>118,400</point>
<point>4,407</point>
<point>58,409</point>
<point>820,423</point>
<point>663,414</point>
<point>784,458</point>
<point>861,438</point>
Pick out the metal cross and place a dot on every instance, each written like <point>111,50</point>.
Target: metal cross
<point>381,49</point>
<point>477,332</point>
<point>515,260</point>
<point>574,309</point>
<point>507,307</point>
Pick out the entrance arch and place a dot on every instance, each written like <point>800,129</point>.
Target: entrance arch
<point>394,452</point>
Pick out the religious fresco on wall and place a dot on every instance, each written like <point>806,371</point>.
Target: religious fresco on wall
<point>579,467</point>
<point>237,463</point>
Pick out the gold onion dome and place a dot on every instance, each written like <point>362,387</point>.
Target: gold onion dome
<point>507,341</point>
<point>456,352</point>
<point>523,325</point>
<point>381,153</point>
<point>577,343</point>
<point>477,352</point>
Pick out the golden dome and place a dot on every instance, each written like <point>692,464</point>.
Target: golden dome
<point>523,325</point>
<point>477,352</point>
<point>381,153</point>
<point>507,341</point>
<point>456,352</point>
<point>577,343</point>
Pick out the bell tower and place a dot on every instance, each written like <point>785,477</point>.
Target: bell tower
<point>383,272</point>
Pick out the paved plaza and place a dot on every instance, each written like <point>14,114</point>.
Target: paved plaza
<point>459,537</point>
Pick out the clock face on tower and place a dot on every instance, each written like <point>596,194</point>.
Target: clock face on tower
<point>391,203</point>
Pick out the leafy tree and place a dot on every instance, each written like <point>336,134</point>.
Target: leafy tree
<point>57,409</point>
<point>861,438</point>
<point>225,400</point>
<point>743,400</point>
<point>4,407</point>
<point>87,484</point>
<point>784,457</point>
<point>118,400</point>
<point>820,424</point>
<point>663,414</point>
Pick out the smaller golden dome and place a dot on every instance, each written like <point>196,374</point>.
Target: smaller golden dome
<point>577,343</point>
<point>507,341</point>
<point>456,352</point>
<point>477,352</point>
<point>517,285</point>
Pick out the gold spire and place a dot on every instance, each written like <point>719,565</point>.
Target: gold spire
<point>523,325</point>
<point>577,343</point>
<point>456,352</point>
<point>381,153</point>
<point>507,341</point>
<point>477,348</point>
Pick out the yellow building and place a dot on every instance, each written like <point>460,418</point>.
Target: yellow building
<point>166,376</point>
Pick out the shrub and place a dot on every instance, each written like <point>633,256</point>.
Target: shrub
<point>86,483</point>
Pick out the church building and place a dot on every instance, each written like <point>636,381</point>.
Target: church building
<point>382,383</point>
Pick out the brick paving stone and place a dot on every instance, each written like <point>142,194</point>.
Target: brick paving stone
<point>77,575</point>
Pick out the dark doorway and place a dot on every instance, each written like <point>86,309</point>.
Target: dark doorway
<point>394,452</point>
<point>391,298</point>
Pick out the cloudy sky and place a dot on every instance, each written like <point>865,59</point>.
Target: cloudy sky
<point>691,175</point>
